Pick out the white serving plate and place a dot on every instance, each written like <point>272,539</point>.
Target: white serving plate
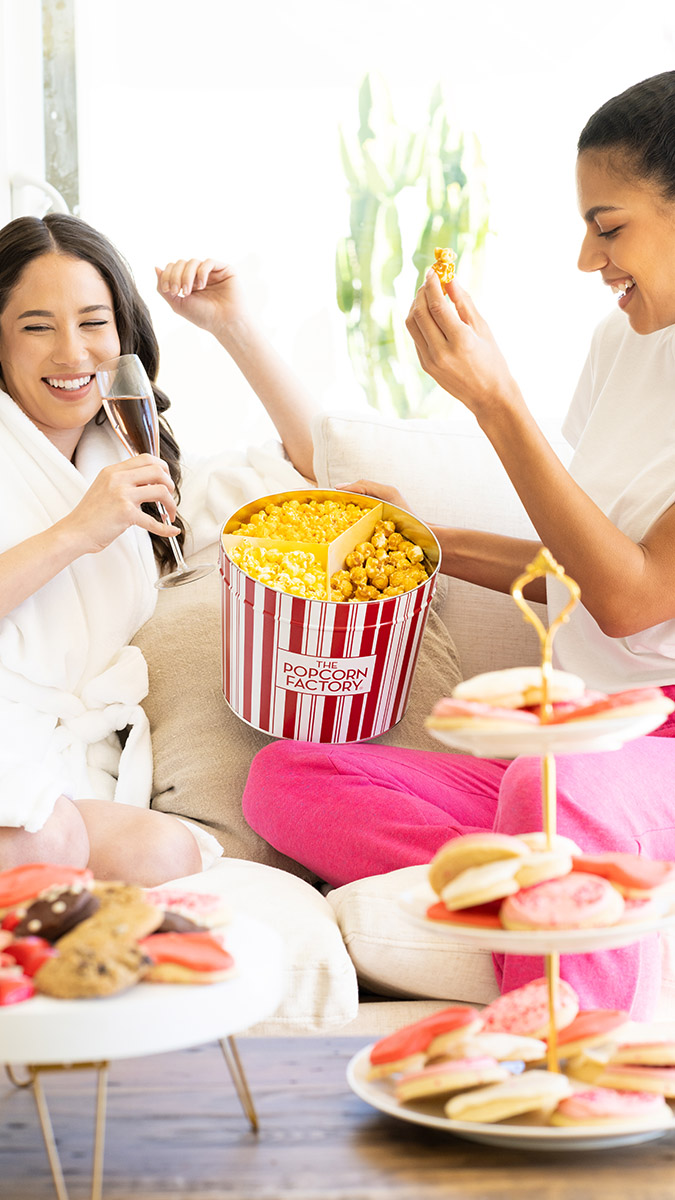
<point>581,737</point>
<point>151,1018</point>
<point>528,1134</point>
<point>415,901</point>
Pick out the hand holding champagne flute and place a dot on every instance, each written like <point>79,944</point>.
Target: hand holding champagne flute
<point>129,402</point>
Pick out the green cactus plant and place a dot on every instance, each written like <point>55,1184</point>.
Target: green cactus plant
<point>445,169</point>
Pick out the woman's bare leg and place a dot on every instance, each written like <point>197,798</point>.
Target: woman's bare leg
<point>63,839</point>
<point>137,845</point>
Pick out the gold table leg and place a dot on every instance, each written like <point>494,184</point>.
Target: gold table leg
<point>35,1077</point>
<point>231,1056</point>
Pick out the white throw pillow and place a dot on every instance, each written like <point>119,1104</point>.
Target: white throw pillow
<point>320,988</point>
<point>395,957</point>
<point>450,475</point>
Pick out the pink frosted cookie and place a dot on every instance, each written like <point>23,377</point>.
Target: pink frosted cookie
<point>455,1076</point>
<point>408,1048</point>
<point>525,1009</point>
<point>470,851</point>
<point>605,1106</point>
<point>450,713</point>
<point>576,901</point>
<point>590,1028</point>
<point>201,907</point>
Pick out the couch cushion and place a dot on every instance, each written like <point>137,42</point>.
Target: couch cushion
<point>320,983</point>
<point>395,957</point>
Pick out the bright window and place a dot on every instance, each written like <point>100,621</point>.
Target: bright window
<point>210,127</point>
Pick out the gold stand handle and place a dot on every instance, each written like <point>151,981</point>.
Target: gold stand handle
<point>542,565</point>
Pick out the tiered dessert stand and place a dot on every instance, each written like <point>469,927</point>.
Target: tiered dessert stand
<point>545,742</point>
<point>48,1035</point>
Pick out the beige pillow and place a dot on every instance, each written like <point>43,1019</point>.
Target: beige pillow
<point>202,751</point>
<point>394,956</point>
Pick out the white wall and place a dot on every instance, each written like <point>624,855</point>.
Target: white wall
<point>211,128</point>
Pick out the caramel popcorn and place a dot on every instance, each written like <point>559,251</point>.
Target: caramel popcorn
<point>318,521</point>
<point>387,565</point>
<point>444,266</point>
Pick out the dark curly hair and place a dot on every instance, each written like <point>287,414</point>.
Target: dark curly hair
<point>28,238</point>
<point>638,127</point>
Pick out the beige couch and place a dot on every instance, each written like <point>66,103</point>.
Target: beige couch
<point>350,948</point>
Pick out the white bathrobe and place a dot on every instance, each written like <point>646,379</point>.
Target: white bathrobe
<point>69,680</point>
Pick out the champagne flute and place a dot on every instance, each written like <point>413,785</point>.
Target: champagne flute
<point>129,402</point>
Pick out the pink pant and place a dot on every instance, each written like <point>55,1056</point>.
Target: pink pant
<point>350,811</point>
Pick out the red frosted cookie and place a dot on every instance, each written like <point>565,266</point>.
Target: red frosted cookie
<point>30,953</point>
<point>590,1028</point>
<point>617,704</point>
<point>484,916</point>
<point>575,901</point>
<point>605,1106</point>
<point>409,1046</point>
<point>186,958</point>
<point>634,875</point>
<point>24,883</point>
<point>525,1009</point>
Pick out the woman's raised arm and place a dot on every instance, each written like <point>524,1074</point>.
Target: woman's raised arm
<point>207,293</point>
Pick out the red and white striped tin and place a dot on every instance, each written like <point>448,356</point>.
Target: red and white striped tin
<point>321,671</point>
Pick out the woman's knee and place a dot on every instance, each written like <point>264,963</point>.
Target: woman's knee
<point>63,840</point>
<point>520,808</point>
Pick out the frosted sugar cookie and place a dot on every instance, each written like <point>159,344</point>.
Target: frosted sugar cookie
<point>186,958</point>
<point>632,702</point>
<point>592,1027</point>
<point>482,916</point>
<point>471,850</point>
<point>478,885</point>
<point>502,1046</point>
<point>455,1075</point>
<point>605,1106</point>
<point>529,1092</point>
<point>518,687</point>
<point>21,885</point>
<point>542,865</point>
<point>627,1077</point>
<point>645,1054</point>
<point>408,1048</point>
<point>525,1009</point>
<point>633,875</point>
<point>576,901</point>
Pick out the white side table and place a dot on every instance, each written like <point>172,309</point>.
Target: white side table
<point>151,1018</point>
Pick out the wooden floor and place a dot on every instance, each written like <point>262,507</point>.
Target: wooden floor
<point>175,1129</point>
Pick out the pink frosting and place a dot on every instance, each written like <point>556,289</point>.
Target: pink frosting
<point>605,1102</point>
<point>525,1010</point>
<point>454,1066</point>
<point>635,1071</point>
<point>574,900</point>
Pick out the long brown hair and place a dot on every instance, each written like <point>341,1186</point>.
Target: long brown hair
<point>28,238</point>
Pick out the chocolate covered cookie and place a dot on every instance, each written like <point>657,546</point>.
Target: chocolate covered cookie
<point>56,911</point>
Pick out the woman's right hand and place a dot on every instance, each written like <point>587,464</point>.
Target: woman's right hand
<point>381,491</point>
<point>113,503</point>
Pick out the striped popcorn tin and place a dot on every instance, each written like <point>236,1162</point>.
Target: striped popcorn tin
<point>319,670</point>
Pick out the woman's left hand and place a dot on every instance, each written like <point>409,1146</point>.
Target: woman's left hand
<point>456,347</point>
<point>205,292</point>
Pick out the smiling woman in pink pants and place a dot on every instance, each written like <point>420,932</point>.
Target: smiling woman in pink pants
<point>350,811</point>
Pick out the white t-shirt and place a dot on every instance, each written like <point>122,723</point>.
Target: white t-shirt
<point>621,425</point>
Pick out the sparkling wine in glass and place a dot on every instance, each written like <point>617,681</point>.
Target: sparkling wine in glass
<point>129,402</point>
